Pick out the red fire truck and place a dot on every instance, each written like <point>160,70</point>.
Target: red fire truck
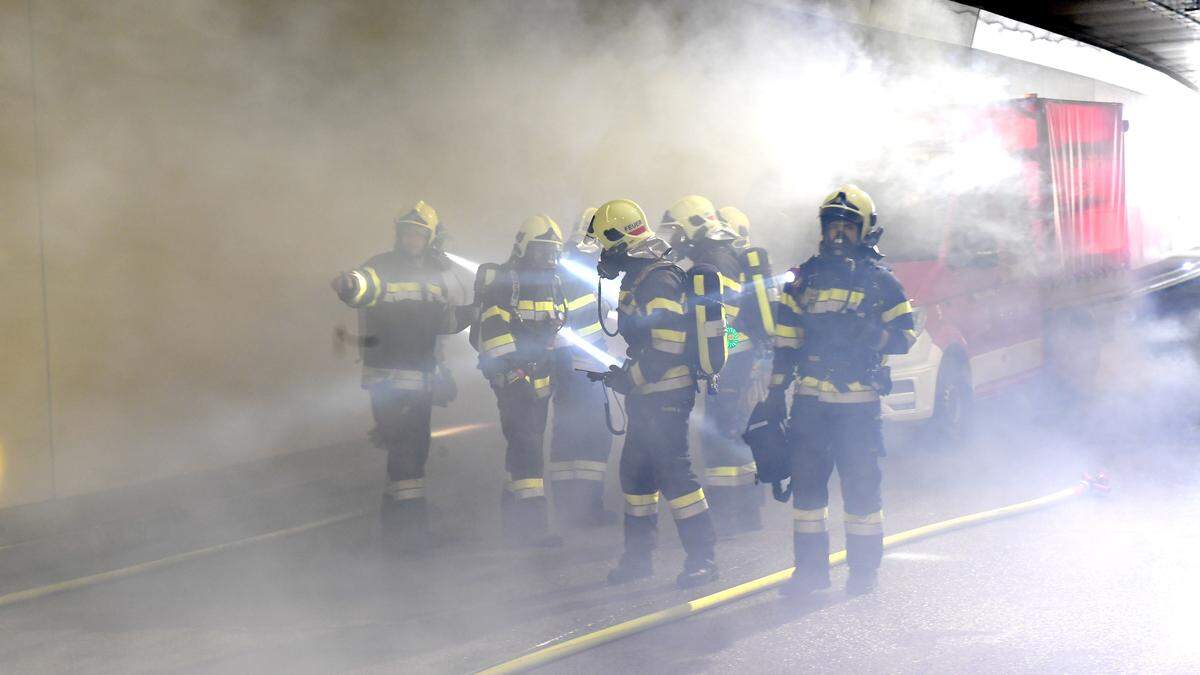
<point>1016,268</point>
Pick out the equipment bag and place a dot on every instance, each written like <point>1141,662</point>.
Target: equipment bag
<point>765,436</point>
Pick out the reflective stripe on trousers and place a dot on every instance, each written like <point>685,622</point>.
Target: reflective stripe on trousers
<point>641,505</point>
<point>868,525</point>
<point>578,469</point>
<point>402,490</point>
<point>526,488</point>
<point>810,521</point>
<point>691,504</point>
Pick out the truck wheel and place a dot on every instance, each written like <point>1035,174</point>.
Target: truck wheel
<point>952,405</point>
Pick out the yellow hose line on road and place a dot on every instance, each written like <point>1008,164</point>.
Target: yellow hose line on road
<point>112,575</point>
<point>642,623</point>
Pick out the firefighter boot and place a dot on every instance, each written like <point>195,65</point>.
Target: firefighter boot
<point>404,526</point>
<point>525,522</point>
<point>749,508</point>
<point>635,563</point>
<point>722,504</point>
<point>863,555</point>
<point>812,564</point>
<point>698,538</point>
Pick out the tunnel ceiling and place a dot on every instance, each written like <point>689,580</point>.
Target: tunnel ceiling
<point>1162,34</point>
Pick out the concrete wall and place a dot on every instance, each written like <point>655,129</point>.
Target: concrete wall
<point>200,169</point>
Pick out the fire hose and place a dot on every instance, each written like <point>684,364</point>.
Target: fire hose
<point>1088,485</point>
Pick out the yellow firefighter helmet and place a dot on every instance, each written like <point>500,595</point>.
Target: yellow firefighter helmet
<point>618,222</point>
<point>697,218</point>
<point>737,221</point>
<point>579,236</point>
<point>539,228</point>
<point>850,202</point>
<point>421,215</point>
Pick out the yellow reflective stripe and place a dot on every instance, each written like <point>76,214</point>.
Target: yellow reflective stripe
<point>732,310</point>
<point>635,374</point>
<point>790,302</point>
<point>897,311</point>
<point>641,500</point>
<point>752,258</point>
<point>539,306</point>
<point>401,490</point>
<point>702,344</point>
<point>686,500</point>
<point>397,286</point>
<point>526,487</point>
<point>691,504</point>
<point>677,377</point>
<point>584,332</point>
<point>582,301</point>
<point>764,304</point>
<point>498,341</point>
<point>726,282</point>
<point>362,286</point>
<point>495,310</point>
<point>782,330</point>
<point>541,382</point>
<point>810,521</point>
<point>870,524</point>
<point>731,470</point>
<point>668,334</point>
<point>856,298</point>
<point>378,285</point>
<point>833,294</point>
<point>664,304</point>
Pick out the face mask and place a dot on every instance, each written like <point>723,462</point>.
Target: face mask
<point>610,264</point>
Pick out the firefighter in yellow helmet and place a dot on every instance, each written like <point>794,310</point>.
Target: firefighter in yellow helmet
<point>839,318</point>
<point>657,380</point>
<point>405,302</point>
<point>522,309</point>
<point>579,439</point>
<point>736,220</point>
<point>748,290</point>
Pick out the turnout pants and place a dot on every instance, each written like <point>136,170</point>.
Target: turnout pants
<point>847,436</point>
<point>580,443</point>
<point>729,474</point>
<point>402,420</point>
<point>523,414</point>
<point>655,461</point>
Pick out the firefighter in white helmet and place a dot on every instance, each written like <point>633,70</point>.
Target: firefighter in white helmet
<point>404,304</point>
<point>660,389</point>
<point>522,308</point>
<point>839,318</point>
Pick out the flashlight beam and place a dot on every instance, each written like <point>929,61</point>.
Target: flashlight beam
<point>460,429</point>
<point>571,336</point>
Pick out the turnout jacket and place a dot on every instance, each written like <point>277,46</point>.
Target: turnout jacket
<point>652,317</point>
<point>522,311</point>
<point>837,320</point>
<point>404,303</point>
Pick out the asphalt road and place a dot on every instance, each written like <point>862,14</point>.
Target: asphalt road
<point>1091,585</point>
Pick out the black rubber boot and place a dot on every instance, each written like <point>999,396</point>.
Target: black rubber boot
<point>526,522</point>
<point>640,535</point>
<point>861,582</point>
<point>698,538</point>
<point>812,564</point>
<point>631,568</point>
<point>404,526</point>
<point>749,512</point>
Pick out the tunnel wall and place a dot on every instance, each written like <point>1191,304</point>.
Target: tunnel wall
<point>187,176</point>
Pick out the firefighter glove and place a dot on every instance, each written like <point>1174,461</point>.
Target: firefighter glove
<point>619,380</point>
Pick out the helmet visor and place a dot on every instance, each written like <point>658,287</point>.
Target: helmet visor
<point>542,253</point>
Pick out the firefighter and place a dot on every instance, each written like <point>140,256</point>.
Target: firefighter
<point>729,480</point>
<point>737,221</point>
<point>660,388</point>
<point>838,319</point>
<point>579,440</point>
<point>404,303</point>
<point>522,309</point>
